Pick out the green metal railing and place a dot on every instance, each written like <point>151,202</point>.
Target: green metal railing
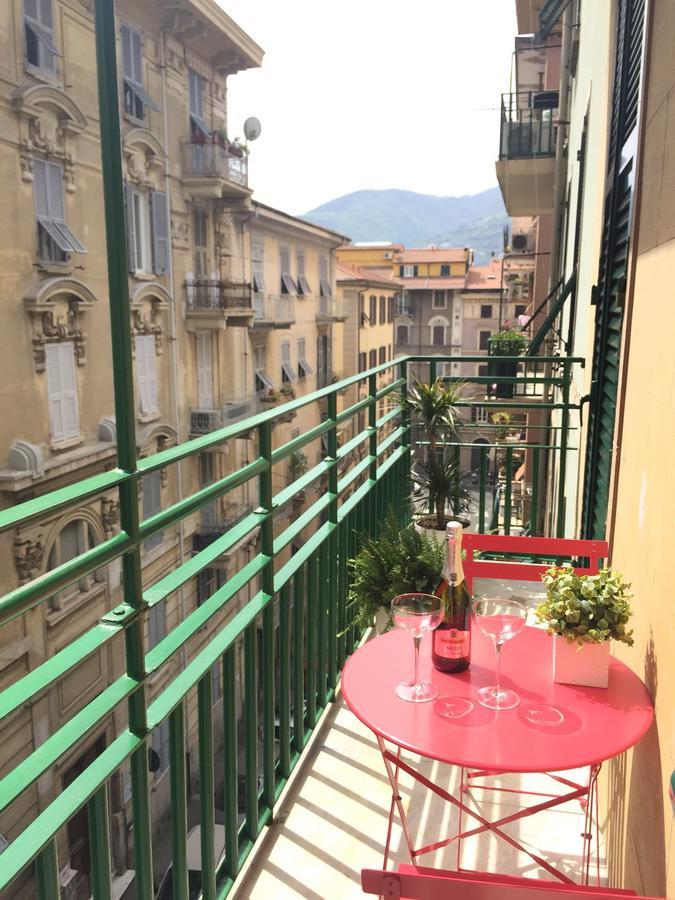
<point>297,602</point>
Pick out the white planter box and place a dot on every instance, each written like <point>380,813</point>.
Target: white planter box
<point>587,665</point>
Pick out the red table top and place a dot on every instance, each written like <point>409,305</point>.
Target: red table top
<point>599,723</point>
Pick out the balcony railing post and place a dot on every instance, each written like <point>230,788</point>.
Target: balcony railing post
<point>372,426</point>
<point>405,440</point>
<point>47,872</point>
<point>564,427</point>
<point>123,383</point>
<point>207,810</point>
<point>230,764</point>
<point>267,579</point>
<point>99,844</point>
<point>177,769</point>
<point>330,582</point>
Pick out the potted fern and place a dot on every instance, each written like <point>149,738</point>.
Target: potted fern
<point>584,613</point>
<point>399,560</point>
<point>507,342</point>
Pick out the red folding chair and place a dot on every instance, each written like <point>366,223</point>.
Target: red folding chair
<point>560,550</point>
<point>420,883</point>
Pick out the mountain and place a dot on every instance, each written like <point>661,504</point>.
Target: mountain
<point>417,220</point>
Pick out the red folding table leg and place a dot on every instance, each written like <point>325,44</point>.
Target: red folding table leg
<point>392,774</point>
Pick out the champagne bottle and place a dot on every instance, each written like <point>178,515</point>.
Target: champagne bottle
<point>451,649</point>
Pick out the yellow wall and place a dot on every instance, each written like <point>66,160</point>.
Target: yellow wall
<point>381,257</point>
<point>433,269</point>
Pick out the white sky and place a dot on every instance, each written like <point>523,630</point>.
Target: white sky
<point>372,94</point>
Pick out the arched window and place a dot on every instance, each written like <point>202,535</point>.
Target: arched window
<point>438,328</point>
<point>403,335</point>
<point>74,539</point>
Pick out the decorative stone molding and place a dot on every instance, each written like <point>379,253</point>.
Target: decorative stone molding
<point>110,515</point>
<point>56,306</point>
<point>144,158</point>
<point>27,457</point>
<point>148,302</point>
<point>180,231</point>
<point>107,429</point>
<point>49,122</point>
<point>28,556</point>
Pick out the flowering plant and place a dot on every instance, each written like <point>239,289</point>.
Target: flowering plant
<point>586,609</point>
<point>508,342</point>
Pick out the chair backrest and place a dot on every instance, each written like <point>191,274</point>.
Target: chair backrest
<point>416,883</point>
<point>551,548</point>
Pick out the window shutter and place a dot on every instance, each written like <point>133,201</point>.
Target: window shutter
<point>146,372</point>
<point>131,232</point>
<point>54,174</point>
<point>64,421</point>
<point>415,269</point>
<point>136,58</point>
<point>40,188</point>
<point>126,52</point>
<point>160,232</point>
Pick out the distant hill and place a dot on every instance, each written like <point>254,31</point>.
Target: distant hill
<point>416,220</point>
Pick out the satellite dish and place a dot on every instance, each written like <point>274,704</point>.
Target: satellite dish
<point>252,128</point>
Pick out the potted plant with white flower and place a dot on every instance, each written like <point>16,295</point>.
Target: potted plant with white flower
<point>584,613</point>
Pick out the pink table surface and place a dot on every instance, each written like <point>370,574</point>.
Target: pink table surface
<point>599,723</point>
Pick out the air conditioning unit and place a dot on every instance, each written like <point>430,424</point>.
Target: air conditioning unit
<point>520,242</point>
<point>388,254</point>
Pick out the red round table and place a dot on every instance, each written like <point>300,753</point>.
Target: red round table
<point>598,724</point>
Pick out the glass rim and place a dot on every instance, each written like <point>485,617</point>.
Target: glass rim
<point>408,595</point>
<point>477,600</point>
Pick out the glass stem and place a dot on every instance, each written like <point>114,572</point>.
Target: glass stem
<point>498,688</point>
<point>418,641</point>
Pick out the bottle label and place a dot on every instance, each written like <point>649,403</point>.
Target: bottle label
<point>452,643</point>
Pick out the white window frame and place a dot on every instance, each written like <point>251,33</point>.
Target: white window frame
<point>85,539</point>
<point>258,266</point>
<point>288,286</point>
<point>408,271</point>
<point>200,251</point>
<point>438,322</point>
<point>444,300</point>
<point>41,26</point>
<point>304,368</point>
<point>263,381</point>
<point>482,415</point>
<point>136,98</point>
<point>140,210</point>
<point>146,372</point>
<point>64,414</point>
<point>324,277</point>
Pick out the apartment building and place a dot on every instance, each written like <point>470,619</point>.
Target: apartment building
<point>186,192</point>
<point>609,194</point>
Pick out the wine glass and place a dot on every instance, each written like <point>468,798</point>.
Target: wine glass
<point>417,614</point>
<point>501,620</point>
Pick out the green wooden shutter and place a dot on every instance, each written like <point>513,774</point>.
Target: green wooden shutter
<point>612,271</point>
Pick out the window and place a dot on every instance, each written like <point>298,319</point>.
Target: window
<point>382,355</point>
<point>303,286</point>
<point>445,271</point>
<point>304,368</point>
<point>39,30</point>
<point>408,271</point>
<point>262,380</point>
<point>372,315</point>
<point>390,310</point>
<point>324,277</point>
<point>480,414</point>
<point>198,127</point>
<point>160,735</point>
<point>74,539</point>
<point>147,374</point>
<point>288,286</point>
<point>486,311</point>
<point>55,239</point>
<point>200,242</point>
<point>204,370</point>
<point>372,359</point>
<point>403,335</point>
<point>383,310</point>
<point>287,371</point>
<point>324,354</point>
<point>152,504</point>
<point>483,340</point>
<point>64,416</point>
<point>147,220</point>
<point>520,309</point>
<point>257,261</point>
<point>135,96</point>
<point>438,335</point>
<point>362,362</point>
<point>483,371</point>
<point>438,301</point>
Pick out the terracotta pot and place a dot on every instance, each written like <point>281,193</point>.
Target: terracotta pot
<point>586,665</point>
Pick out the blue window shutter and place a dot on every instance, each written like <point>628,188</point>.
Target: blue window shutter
<point>400,271</point>
<point>160,232</point>
<point>131,234</point>
<point>126,52</point>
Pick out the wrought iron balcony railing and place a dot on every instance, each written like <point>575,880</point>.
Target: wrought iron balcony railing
<point>213,294</point>
<point>208,159</point>
<point>528,124</point>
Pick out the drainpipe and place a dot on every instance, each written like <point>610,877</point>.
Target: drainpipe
<point>173,335</point>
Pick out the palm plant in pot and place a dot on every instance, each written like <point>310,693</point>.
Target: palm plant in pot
<point>435,409</point>
<point>507,342</point>
<point>584,613</point>
<point>399,560</point>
